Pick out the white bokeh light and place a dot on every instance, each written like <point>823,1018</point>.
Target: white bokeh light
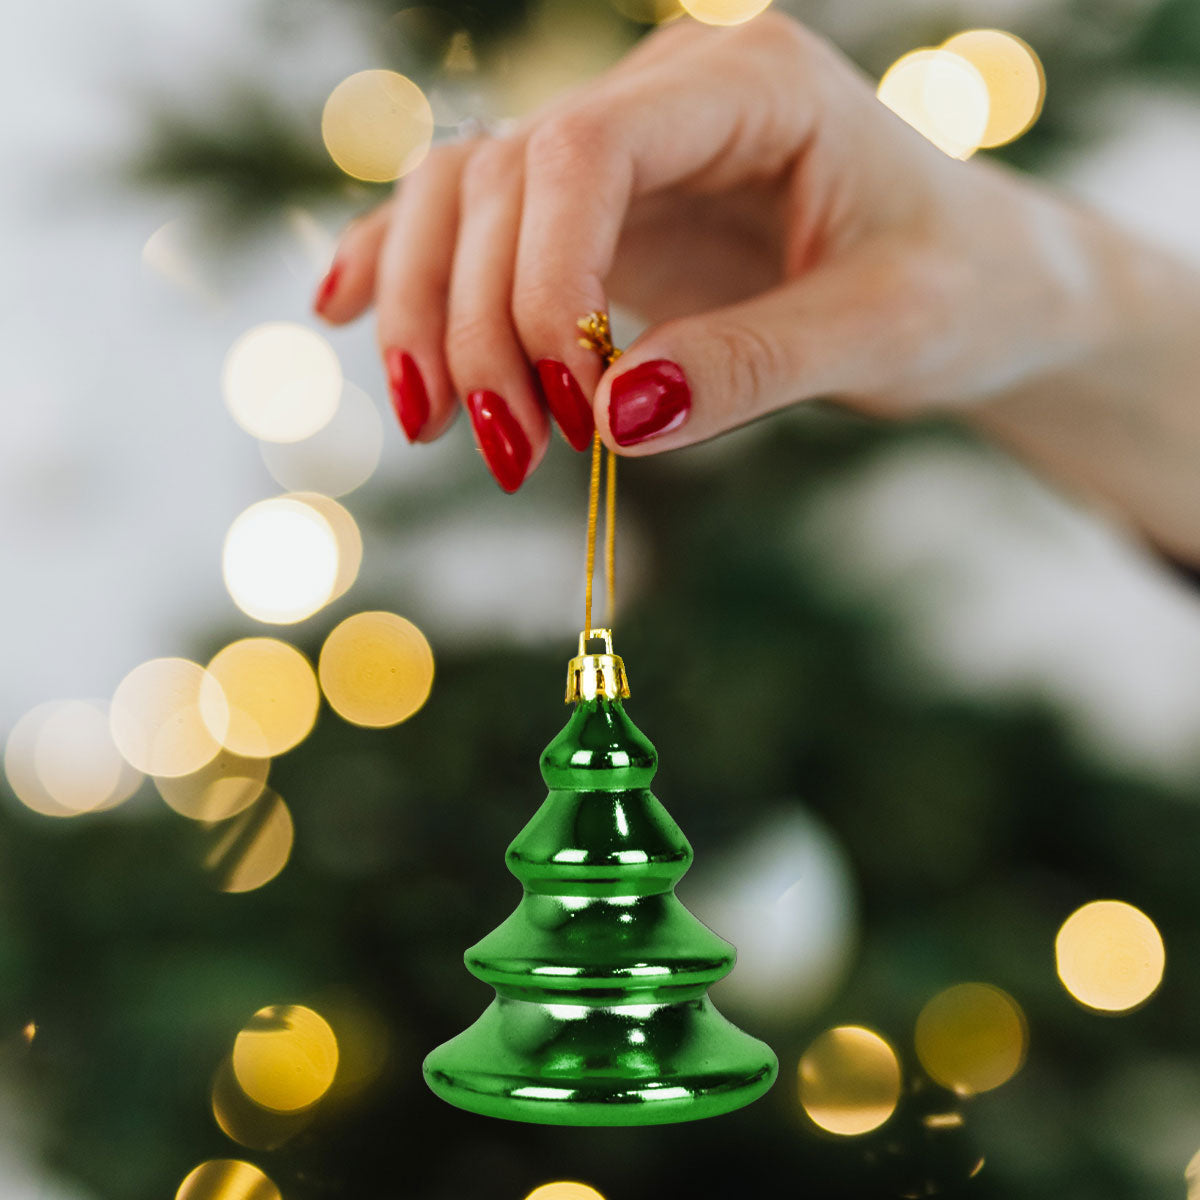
<point>785,896</point>
<point>281,381</point>
<point>336,459</point>
<point>280,561</point>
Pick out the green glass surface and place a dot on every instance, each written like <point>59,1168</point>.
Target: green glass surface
<point>601,1014</point>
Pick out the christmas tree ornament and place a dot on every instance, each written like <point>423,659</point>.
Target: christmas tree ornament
<point>601,1015</point>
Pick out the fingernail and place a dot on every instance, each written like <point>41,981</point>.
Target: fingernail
<point>502,440</point>
<point>327,287</point>
<point>647,400</point>
<point>566,402</point>
<point>407,388</point>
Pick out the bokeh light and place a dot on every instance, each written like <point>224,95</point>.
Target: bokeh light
<point>459,58</point>
<point>784,893</point>
<point>281,381</point>
<point>649,12</point>
<point>346,534</point>
<point>376,669</point>
<point>377,125</point>
<point>1191,1174</point>
<point>422,32</point>
<point>271,690</point>
<point>1110,956</point>
<point>248,1123</point>
<point>849,1080</point>
<point>942,96</point>
<point>171,253</point>
<point>971,1038</point>
<point>564,1190</point>
<point>252,848</point>
<point>1015,80</point>
<point>221,789</point>
<point>724,12</point>
<point>364,1041</point>
<point>280,560</point>
<point>168,717</point>
<point>61,761</point>
<point>337,458</point>
<point>227,1179</point>
<point>286,1057</point>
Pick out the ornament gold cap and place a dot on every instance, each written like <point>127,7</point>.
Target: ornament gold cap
<point>596,676</point>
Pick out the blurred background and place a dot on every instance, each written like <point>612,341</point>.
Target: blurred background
<point>275,683</point>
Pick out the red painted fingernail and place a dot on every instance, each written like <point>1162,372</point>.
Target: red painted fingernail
<point>409,398</point>
<point>327,287</point>
<point>647,400</point>
<point>566,402</point>
<point>502,440</point>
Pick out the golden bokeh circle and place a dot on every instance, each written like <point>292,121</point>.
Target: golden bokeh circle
<point>168,717</point>
<point>376,669</point>
<point>227,1179</point>
<point>1191,1173</point>
<point>971,1037</point>
<point>564,1189</point>
<point>281,561</point>
<point>286,1057</point>
<point>1110,956</point>
<point>377,125</point>
<point>272,693</point>
<point>247,1123</point>
<point>251,848</point>
<point>75,757</point>
<point>219,790</point>
<point>942,96</point>
<point>61,761</point>
<point>649,12</point>
<point>1015,79</point>
<point>724,12</point>
<point>849,1080</point>
<point>282,382</point>
<point>365,1042</point>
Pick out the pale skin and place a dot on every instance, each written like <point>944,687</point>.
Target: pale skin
<point>785,237</point>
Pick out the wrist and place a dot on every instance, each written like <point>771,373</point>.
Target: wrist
<point>1115,417</point>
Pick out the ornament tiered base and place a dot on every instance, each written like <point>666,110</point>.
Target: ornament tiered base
<point>601,1014</point>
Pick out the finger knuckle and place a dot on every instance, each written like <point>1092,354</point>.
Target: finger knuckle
<point>773,28</point>
<point>468,334</point>
<point>490,166</point>
<point>750,362</point>
<point>562,142</point>
<point>536,306</point>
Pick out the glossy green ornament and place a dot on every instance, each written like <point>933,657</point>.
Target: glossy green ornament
<point>601,1014</point>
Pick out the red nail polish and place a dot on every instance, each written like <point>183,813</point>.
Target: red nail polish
<point>566,402</point>
<point>647,400</point>
<point>327,287</point>
<point>502,440</point>
<point>409,398</point>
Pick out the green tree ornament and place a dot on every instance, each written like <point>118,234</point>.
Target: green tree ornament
<point>601,1015</point>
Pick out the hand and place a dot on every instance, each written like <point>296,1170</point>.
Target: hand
<point>785,235</point>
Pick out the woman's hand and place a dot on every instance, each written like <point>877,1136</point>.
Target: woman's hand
<point>786,237</point>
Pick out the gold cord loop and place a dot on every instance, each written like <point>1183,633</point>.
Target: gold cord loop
<point>597,336</point>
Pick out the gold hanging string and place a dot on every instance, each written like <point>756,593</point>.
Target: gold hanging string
<point>593,506</point>
<point>598,336</point>
<point>610,536</point>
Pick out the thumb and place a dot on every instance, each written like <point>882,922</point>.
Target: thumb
<point>843,329</point>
